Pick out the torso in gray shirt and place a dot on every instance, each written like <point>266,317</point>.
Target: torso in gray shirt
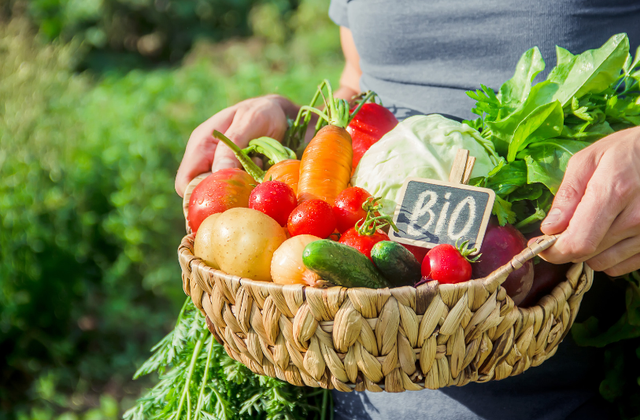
<point>421,57</point>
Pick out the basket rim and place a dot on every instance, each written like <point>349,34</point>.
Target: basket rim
<point>491,283</point>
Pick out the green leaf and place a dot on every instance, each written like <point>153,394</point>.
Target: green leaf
<point>592,71</point>
<point>580,111</point>
<point>590,133</point>
<point>627,64</point>
<point>547,161</point>
<point>487,102</point>
<point>503,130</point>
<point>612,386</point>
<point>528,191</point>
<point>563,56</point>
<point>508,178</point>
<point>635,62</point>
<point>502,209</point>
<point>635,120</point>
<point>636,76</point>
<point>588,333</point>
<point>544,122</point>
<point>516,90</point>
<point>545,200</point>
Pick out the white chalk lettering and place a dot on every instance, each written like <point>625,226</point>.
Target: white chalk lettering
<point>442,220</point>
<point>419,210</point>
<point>471,204</point>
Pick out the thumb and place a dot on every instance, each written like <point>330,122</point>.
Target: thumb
<point>572,189</point>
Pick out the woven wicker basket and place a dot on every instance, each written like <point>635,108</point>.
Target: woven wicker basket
<point>390,340</point>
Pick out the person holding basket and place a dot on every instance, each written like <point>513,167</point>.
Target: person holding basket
<point>420,58</point>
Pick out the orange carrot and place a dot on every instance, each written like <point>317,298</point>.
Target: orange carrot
<point>325,167</point>
<point>287,171</point>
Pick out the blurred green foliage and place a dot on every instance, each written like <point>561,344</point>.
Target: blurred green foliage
<point>89,220</point>
<point>123,34</point>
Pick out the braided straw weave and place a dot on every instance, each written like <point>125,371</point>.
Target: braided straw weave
<point>394,340</point>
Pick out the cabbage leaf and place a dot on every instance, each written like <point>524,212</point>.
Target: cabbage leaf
<point>421,146</point>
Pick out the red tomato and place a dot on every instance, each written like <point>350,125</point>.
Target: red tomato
<point>369,125</point>
<point>220,191</point>
<point>312,217</point>
<point>445,264</point>
<point>348,207</point>
<point>362,243</point>
<point>275,199</point>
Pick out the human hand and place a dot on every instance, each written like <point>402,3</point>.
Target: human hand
<point>247,120</point>
<point>597,207</point>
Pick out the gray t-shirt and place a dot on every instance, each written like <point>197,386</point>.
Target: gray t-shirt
<point>424,55</point>
<point>421,57</point>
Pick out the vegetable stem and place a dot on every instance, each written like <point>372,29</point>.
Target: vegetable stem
<point>538,215</point>
<point>204,380</point>
<point>325,399</point>
<point>294,138</point>
<point>248,164</point>
<point>185,305</point>
<point>368,96</point>
<point>271,148</point>
<point>337,110</point>
<point>315,111</point>
<point>188,406</point>
<point>371,223</point>
<point>192,366</point>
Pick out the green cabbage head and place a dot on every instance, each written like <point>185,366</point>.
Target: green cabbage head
<point>421,146</point>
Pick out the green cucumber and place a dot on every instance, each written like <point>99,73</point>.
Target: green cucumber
<point>342,265</point>
<point>398,265</point>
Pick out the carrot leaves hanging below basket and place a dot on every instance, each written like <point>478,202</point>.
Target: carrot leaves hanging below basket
<point>199,381</point>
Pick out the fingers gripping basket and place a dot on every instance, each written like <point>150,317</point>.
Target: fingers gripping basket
<point>390,340</point>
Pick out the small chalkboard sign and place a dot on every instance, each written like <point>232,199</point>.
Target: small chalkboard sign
<point>435,212</point>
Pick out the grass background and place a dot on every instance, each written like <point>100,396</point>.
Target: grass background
<point>91,135</point>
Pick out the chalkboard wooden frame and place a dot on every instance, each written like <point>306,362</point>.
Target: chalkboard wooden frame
<point>484,221</point>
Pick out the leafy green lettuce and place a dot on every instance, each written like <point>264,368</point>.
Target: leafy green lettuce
<point>536,127</point>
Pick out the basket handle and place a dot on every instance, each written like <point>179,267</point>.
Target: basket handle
<point>500,275</point>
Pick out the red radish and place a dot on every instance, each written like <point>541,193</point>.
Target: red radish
<point>363,242</point>
<point>546,276</point>
<point>500,245</point>
<point>447,264</point>
<point>348,207</point>
<point>275,199</point>
<point>312,217</point>
<point>367,127</point>
<point>220,191</point>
